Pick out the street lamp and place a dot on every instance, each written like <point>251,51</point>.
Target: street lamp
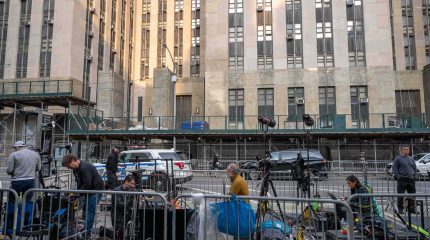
<point>174,93</point>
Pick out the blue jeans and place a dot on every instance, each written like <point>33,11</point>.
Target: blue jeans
<point>90,207</point>
<point>20,187</point>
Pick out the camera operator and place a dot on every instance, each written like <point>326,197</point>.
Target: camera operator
<point>238,184</point>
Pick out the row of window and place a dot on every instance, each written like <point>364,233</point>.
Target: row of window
<point>101,35</point>
<point>407,102</point>
<point>294,42</point>
<point>296,103</point>
<point>195,38</point>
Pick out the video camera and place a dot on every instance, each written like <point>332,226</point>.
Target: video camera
<point>265,163</point>
<point>298,168</point>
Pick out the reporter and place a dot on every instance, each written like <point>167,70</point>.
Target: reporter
<point>361,205</point>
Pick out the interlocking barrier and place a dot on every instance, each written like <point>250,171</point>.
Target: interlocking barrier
<point>263,217</point>
<point>61,214</point>
<point>9,210</point>
<point>378,215</point>
<point>216,182</point>
<point>67,214</point>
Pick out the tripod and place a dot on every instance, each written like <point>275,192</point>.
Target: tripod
<point>266,183</point>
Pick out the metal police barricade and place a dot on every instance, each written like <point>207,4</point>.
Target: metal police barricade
<point>198,216</point>
<point>376,216</point>
<point>77,214</point>
<point>9,202</point>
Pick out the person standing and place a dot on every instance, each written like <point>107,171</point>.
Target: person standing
<point>22,165</point>
<point>404,171</point>
<point>215,162</point>
<point>87,178</point>
<point>112,169</point>
<point>238,184</point>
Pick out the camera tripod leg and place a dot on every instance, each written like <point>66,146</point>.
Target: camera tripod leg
<point>263,205</point>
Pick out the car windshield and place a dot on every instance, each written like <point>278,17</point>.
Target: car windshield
<point>136,157</point>
<point>169,155</point>
<point>418,156</point>
<point>182,156</point>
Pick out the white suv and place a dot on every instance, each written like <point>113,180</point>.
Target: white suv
<point>151,161</point>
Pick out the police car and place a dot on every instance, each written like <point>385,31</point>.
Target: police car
<point>151,161</point>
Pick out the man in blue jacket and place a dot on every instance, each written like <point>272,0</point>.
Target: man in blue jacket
<point>404,171</point>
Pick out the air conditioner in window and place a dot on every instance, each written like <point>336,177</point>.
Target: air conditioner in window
<point>300,101</point>
<point>290,36</point>
<point>349,3</point>
<point>102,17</point>
<point>112,26</point>
<point>260,8</point>
<point>364,100</point>
<point>91,34</point>
<point>90,58</point>
<point>50,21</point>
<point>28,23</point>
<point>92,10</point>
<point>114,51</point>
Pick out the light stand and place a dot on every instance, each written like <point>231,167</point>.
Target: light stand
<point>265,166</point>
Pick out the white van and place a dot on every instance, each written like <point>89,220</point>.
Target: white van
<point>151,161</point>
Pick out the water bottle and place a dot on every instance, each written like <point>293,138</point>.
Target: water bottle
<point>343,226</point>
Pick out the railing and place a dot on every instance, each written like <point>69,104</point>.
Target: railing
<point>38,88</point>
<point>339,122</point>
<point>64,214</point>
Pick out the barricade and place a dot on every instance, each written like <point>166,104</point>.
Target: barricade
<point>275,218</point>
<point>216,182</point>
<point>65,214</point>
<point>377,215</point>
<point>8,218</point>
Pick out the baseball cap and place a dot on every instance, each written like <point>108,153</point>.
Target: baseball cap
<point>19,144</point>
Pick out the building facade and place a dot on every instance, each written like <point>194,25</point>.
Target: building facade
<point>233,59</point>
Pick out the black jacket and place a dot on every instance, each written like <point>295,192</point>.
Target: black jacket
<point>112,163</point>
<point>87,177</point>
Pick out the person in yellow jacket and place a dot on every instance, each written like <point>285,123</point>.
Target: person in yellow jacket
<point>238,184</point>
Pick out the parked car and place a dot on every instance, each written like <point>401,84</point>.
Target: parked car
<point>284,161</point>
<point>151,161</point>
<point>416,157</point>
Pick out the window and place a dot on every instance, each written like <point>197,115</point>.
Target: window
<point>4,15</point>
<point>23,39</point>
<point>359,106</point>
<point>409,34</point>
<point>327,97</point>
<point>264,34</point>
<point>179,36</point>
<point>235,38</point>
<point>101,35</point>
<point>324,30</point>
<point>408,102</point>
<point>354,15</point>
<point>195,38</point>
<point>146,22</point>
<point>46,41</point>
<point>87,51</point>
<point>236,107</point>
<point>122,38</point>
<point>266,102</point>
<point>426,18</point>
<point>296,103</point>
<point>139,109</point>
<point>113,50</point>
<point>162,21</point>
<point>294,34</point>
